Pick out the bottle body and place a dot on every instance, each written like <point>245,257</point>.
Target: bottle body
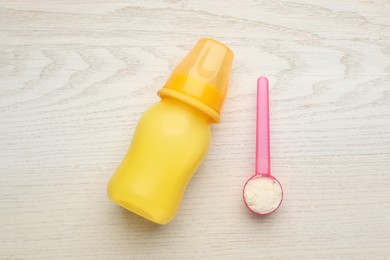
<point>169,143</point>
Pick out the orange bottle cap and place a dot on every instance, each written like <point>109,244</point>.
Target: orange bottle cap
<point>201,79</point>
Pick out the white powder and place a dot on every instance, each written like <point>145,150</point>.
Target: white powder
<point>263,195</point>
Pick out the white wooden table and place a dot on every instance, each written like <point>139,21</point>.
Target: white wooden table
<point>76,76</point>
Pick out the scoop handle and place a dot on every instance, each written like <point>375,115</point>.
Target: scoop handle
<point>262,128</point>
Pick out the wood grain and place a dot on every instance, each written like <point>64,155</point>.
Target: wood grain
<point>76,76</point>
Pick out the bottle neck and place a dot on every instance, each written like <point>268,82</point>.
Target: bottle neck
<point>190,101</point>
<point>203,116</point>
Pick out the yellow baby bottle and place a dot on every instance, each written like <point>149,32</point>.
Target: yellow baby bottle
<point>172,137</point>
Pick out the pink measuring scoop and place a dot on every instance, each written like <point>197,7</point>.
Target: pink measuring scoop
<point>262,193</point>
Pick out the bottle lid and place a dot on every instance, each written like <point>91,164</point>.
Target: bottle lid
<point>201,79</point>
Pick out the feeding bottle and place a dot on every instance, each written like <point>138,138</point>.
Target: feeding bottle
<point>172,137</point>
